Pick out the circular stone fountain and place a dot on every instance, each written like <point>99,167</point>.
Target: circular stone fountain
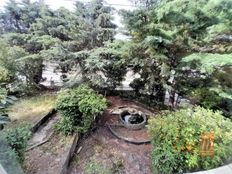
<point>133,120</point>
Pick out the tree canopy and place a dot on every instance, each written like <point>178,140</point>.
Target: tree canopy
<point>179,46</point>
<point>38,33</point>
<point>172,35</point>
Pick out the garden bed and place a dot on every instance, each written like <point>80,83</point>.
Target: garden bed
<point>47,158</point>
<point>102,152</point>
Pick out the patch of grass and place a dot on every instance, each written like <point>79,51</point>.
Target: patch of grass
<point>116,166</point>
<point>27,109</point>
<point>93,167</point>
<point>98,148</point>
<point>76,160</point>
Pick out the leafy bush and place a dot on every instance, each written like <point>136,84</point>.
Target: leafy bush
<point>78,108</point>
<point>8,158</point>
<point>206,98</point>
<point>3,120</point>
<point>17,139</point>
<point>66,125</point>
<point>176,140</point>
<point>4,74</point>
<point>5,101</point>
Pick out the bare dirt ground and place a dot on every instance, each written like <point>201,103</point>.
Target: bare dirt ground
<point>103,153</point>
<point>47,158</point>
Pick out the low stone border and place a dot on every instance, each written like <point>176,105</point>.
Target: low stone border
<point>69,154</point>
<point>42,120</point>
<point>227,169</point>
<point>124,138</point>
<point>133,126</point>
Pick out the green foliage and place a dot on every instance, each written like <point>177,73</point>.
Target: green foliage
<point>31,108</point>
<point>35,33</point>
<point>16,19</point>
<point>93,166</point>
<point>5,101</point>
<point>18,16</point>
<point>212,74</point>
<point>17,139</point>
<point>3,120</point>
<point>164,34</point>
<point>208,62</point>
<point>66,125</point>
<point>206,98</point>
<point>105,67</point>
<point>176,140</point>
<point>7,66</point>
<point>78,108</point>
<point>4,74</point>
<point>146,3</point>
<point>8,158</point>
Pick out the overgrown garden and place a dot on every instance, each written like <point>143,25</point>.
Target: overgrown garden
<point>180,50</point>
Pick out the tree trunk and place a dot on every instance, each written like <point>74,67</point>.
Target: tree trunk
<point>39,72</point>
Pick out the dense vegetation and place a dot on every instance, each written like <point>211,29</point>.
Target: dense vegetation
<point>177,47</point>
<point>182,46</point>
<point>32,32</point>
<point>8,158</point>
<point>15,140</point>
<point>176,138</point>
<point>5,101</point>
<point>78,109</point>
<point>184,50</point>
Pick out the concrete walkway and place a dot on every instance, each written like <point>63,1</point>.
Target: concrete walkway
<point>227,169</point>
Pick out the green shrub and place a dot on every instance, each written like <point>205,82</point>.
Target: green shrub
<point>176,140</point>
<point>8,158</point>
<point>17,138</point>
<point>5,101</point>
<point>66,125</point>
<point>206,98</point>
<point>78,109</point>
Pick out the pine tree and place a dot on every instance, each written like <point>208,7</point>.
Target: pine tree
<point>172,30</point>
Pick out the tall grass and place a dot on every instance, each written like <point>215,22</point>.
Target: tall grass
<point>30,108</point>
